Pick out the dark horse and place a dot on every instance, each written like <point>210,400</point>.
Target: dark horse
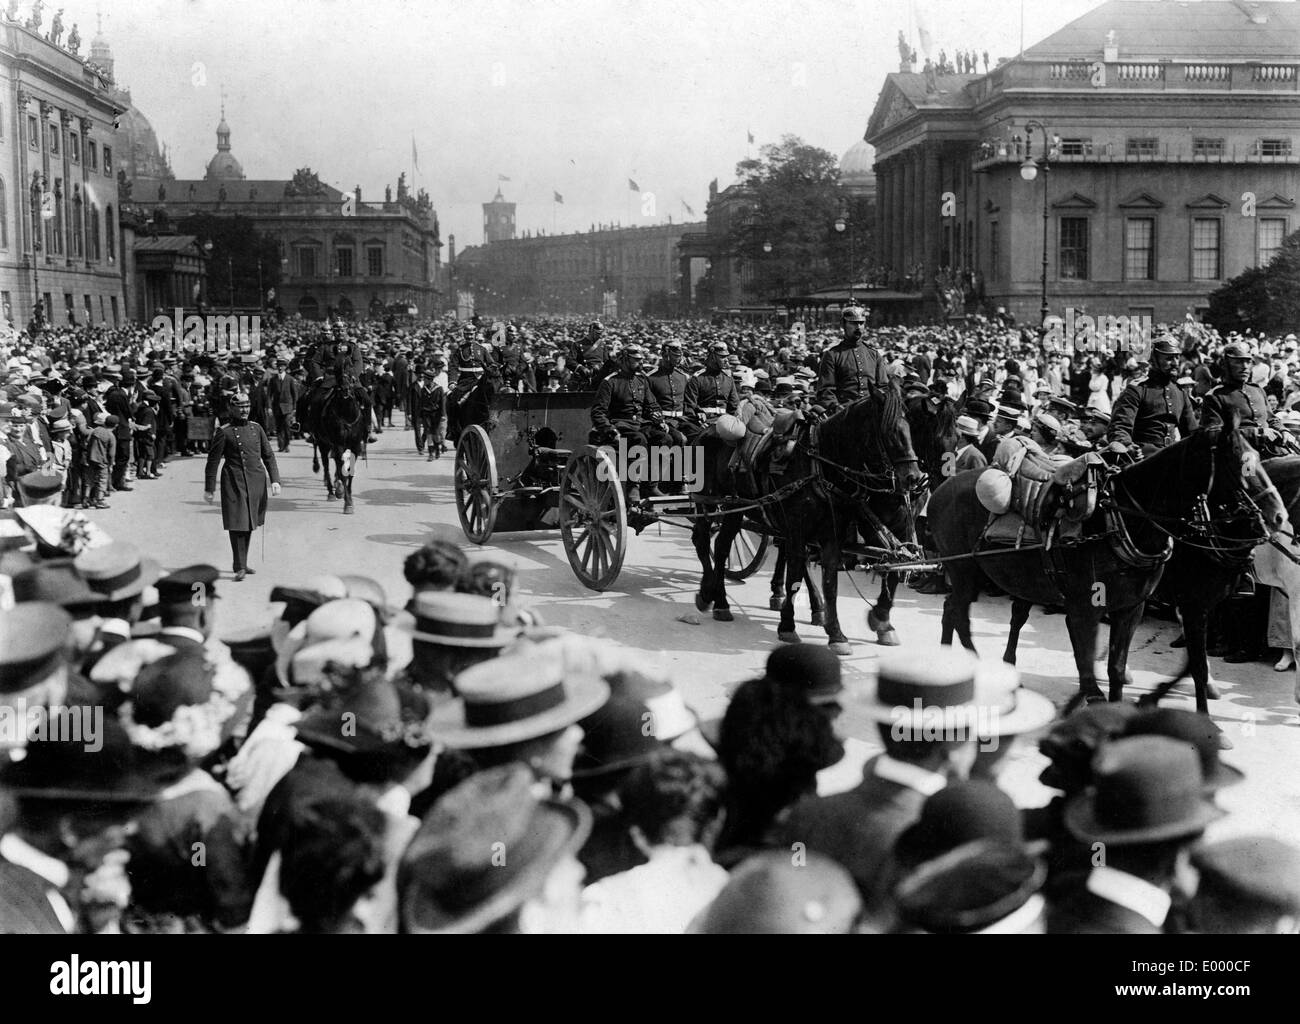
<point>1123,552</point>
<point>339,432</point>
<point>855,468</point>
<point>932,420</point>
<point>1205,567</point>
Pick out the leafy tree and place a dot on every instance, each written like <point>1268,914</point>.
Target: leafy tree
<point>795,200</point>
<point>236,249</point>
<point>1262,298</point>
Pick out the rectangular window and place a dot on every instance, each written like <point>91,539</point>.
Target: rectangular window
<point>113,301</point>
<point>1141,147</point>
<point>307,261</point>
<point>346,269</point>
<point>1207,147</point>
<point>375,261</point>
<point>1271,232</point>
<point>92,155</point>
<point>74,148</point>
<point>102,317</point>
<point>1076,147</point>
<point>108,160</point>
<point>55,132</point>
<point>8,307</point>
<point>995,251</point>
<point>1140,249</point>
<point>1074,249</point>
<point>33,132</point>
<point>90,312</point>
<point>1274,147</point>
<point>49,305</point>
<point>1206,232</point>
<point>72,312</point>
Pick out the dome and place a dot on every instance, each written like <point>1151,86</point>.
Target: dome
<point>224,167</point>
<point>144,156</point>
<point>857,172</point>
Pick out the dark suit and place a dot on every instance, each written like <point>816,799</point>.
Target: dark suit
<point>118,403</point>
<point>858,829</point>
<point>283,392</point>
<point>969,457</point>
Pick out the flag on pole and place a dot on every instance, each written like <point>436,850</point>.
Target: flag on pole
<point>415,156</point>
<point>633,185</point>
<point>751,137</point>
<point>558,198</point>
<point>502,177</point>
<point>688,207</point>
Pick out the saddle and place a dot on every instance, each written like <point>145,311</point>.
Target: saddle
<point>1045,490</point>
<point>775,436</point>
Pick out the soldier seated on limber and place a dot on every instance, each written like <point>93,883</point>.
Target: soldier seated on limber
<point>625,407</point>
<point>329,361</point>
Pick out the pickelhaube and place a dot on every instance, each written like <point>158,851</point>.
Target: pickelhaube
<point>856,314</point>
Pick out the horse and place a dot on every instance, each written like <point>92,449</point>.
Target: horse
<point>339,432</point>
<point>1119,560</point>
<point>932,420</point>
<point>855,468</point>
<point>1203,571</point>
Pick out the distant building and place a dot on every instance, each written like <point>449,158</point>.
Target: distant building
<point>57,155</point>
<point>629,270</point>
<point>1172,129</point>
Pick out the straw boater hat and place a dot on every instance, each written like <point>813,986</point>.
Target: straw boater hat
<point>457,620</point>
<point>117,570</point>
<point>912,687</point>
<point>514,698</point>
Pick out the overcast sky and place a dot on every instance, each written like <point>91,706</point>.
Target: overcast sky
<point>568,96</point>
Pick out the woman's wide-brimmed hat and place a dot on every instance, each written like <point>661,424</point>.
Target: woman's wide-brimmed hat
<point>514,698</point>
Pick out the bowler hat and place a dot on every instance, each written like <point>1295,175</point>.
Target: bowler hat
<point>812,671</point>
<point>972,888</point>
<point>768,894</point>
<point>1192,728</point>
<point>1255,871</point>
<point>1146,789</point>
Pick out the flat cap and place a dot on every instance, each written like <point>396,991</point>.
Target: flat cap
<point>183,585</point>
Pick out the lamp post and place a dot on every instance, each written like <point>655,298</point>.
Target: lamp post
<point>1029,171</point>
<point>842,222</point>
<point>207,248</point>
<point>230,280</point>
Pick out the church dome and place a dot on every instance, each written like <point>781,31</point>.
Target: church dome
<point>857,165</point>
<point>223,166</point>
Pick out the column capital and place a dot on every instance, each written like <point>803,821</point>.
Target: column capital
<point>46,108</point>
<point>86,124</point>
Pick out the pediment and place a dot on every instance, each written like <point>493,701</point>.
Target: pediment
<point>1141,201</point>
<point>1074,201</point>
<point>1209,201</point>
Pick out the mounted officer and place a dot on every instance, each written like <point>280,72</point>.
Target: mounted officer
<point>1237,392</point>
<point>852,368</point>
<point>331,360</point>
<point>710,393</point>
<point>1153,413</point>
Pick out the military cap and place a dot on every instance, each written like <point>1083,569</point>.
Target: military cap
<point>1256,870</point>
<point>32,639</point>
<point>10,411</point>
<point>1166,346</point>
<point>979,407</point>
<point>183,586</point>
<point>856,314</point>
<point>40,485</point>
<point>720,346</point>
<point>1236,350</point>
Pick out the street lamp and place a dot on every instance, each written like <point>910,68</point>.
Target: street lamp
<point>841,223</point>
<point>207,248</point>
<point>1029,171</point>
<point>767,247</point>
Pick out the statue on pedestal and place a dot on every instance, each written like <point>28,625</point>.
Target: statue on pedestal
<point>34,22</point>
<point>12,11</point>
<point>74,41</point>
<point>56,27</point>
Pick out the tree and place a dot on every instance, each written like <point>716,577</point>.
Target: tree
<point>1262,298</point>
<point>236,250</point>
<point>796,198</point>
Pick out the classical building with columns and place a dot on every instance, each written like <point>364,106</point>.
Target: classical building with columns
<point>1172,133</point>
<point>59,236</point>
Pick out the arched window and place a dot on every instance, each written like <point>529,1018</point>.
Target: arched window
<point>4,217</point>
<point>110,233</point>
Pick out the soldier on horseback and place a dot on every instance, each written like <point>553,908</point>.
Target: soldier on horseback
<point>850,369</point>
<point>1238,392</point>
<point>1154,413</point>
<point>335,360</point>
<point>471,361</point>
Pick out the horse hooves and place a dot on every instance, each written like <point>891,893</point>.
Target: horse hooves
<point>874,623</point>
<point>841,647</point>
<point>1212,691</point>
<point>1148,700</point>
<point>723,615</point>
<point>329,496</point>
<point>817,619</point>
<point>348,510</point>
<point>788,637</point>
<point>887,638</point>
<point>775,602</point>
<point>701,604</point>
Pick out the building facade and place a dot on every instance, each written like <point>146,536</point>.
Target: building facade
<point>1172,138</point>
<point>59,234</point>
<point>498,219</point>
<point>607,270</point>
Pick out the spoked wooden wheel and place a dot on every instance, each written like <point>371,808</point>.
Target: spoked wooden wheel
<point>746,555</point>
<point>593,517</point>
<point>476,484</point>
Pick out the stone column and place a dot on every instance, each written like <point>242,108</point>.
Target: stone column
<point>930,210</point>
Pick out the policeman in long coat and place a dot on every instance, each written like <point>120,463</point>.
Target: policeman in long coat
<point>249,462</point>
<point>1156,412</point>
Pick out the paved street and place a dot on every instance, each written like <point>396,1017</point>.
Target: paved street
<point>400,497</point>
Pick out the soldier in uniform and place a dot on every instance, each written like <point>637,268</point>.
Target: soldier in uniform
<point>710,392</point>
<point>249,462</point>
<point>668,384</point>
<point>625,406</point>
<point>1237,392</point>
<point>1153,413</point>
<point>852,367</point>
<point>326,361</point>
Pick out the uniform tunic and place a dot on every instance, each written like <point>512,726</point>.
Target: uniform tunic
<point>248,461</point>
<point>622,399</point>
<point>710,391</point>
<point>1248,400</point>
<point>847,371</point>
<point>1152,413</point>
<point>669,387</point>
